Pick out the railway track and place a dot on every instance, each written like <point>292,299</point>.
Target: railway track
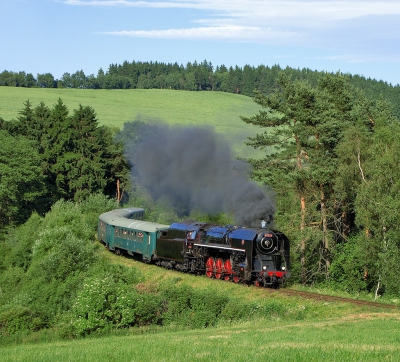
<point>331,298</point>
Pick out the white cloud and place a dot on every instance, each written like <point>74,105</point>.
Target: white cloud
<point>346,58</point>
<point>365,28</point>
<point>329,10</point>
<point>230,32</point>
<point>302,15</point>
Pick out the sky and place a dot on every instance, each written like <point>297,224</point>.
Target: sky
<point>58,36</point>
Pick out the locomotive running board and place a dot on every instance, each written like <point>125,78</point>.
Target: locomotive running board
<point>218,247</point>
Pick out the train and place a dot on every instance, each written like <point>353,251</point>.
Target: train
<point>258,256</point>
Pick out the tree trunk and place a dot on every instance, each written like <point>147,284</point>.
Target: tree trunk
<point>118,191</point>
<point>303,241</point>
<point>325,236</point>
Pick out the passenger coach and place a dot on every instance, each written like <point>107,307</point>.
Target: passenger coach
<point>125,231</point>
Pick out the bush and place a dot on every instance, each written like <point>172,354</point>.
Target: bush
<point>192,308</point>
<point>102,304</point>
<point>177,306</point>
<point>18,318</point>
<point>390,261</point>
<point>46,261</point>
<point>347,268</point>
<point>9,282</point>
<point>20,243</point>
<point>61,254</point>
<point>236,309</point>
<point>148,310</point>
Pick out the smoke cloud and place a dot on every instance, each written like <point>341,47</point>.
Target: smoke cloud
<point>194,169</point>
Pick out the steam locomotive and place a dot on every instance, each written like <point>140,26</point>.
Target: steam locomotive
<point>256,256</point>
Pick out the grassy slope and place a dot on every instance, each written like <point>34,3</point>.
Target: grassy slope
<point>115,107</point>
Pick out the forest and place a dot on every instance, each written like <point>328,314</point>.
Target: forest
<point>194,76</point>
<point>331,159</point>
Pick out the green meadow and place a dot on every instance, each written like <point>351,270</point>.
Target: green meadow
<point>357,337</point>
<point>218,110</point>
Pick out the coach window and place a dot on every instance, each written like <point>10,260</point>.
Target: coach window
<point>140,237</point>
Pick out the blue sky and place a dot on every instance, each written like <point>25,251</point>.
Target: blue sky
<point>58,36</point>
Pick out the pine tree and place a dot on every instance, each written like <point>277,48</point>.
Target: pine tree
<point>304,125</point>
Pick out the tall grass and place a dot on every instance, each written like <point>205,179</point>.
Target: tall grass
<point>218,110</point>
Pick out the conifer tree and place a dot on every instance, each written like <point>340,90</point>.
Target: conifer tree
<point>304,125</point>
<point>21,180</point>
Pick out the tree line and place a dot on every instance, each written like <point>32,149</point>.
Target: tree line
<point>333,160</point>
<point>196,76</point>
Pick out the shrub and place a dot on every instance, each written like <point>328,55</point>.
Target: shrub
<point>9,282</point>
<point>102,303</point>
<point>236,309</point>
<point>18,318</point>
<point>148,309</point>
<point>206,306</point>
<point>63,254</point>
<point>347,268</point>
<point>21,241</point>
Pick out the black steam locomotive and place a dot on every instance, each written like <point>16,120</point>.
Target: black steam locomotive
<point>243,255</point>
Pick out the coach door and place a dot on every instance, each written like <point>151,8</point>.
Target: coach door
<point>147,247</point>
<point>110,237</point>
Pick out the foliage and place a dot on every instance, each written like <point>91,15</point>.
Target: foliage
<point>335,150</point>
<point>71,157</point>
<point>18,319</point>
<point>44,262</point>
<point>348,267</point>
<point>21,181</point>
<point>103,303</point>
<point>377,204</point>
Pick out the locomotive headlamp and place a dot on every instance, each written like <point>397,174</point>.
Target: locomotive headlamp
<point>264,267</point>
<point>283,268</point>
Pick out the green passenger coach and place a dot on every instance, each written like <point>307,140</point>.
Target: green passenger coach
<point>124,230</point>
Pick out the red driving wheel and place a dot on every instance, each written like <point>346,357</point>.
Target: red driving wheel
<point>227,269</point>
<point>210,267</point>
<point>218,268</point>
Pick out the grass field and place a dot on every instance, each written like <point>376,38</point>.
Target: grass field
<point>218,110</point>
<point>361,336</point>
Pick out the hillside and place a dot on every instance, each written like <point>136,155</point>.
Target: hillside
<point>115,107</point>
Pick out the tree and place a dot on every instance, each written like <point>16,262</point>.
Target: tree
<point>65,81</point>
<point>21,180</point>
<point>80,168</point>
<point>304,125</point>
<point>46,81</point>
<point>78,156</point>
<point>377,202</point>
<point>78,79</point>
<point>117,167</point>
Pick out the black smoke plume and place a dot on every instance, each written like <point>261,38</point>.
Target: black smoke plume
<point>195,169</point>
